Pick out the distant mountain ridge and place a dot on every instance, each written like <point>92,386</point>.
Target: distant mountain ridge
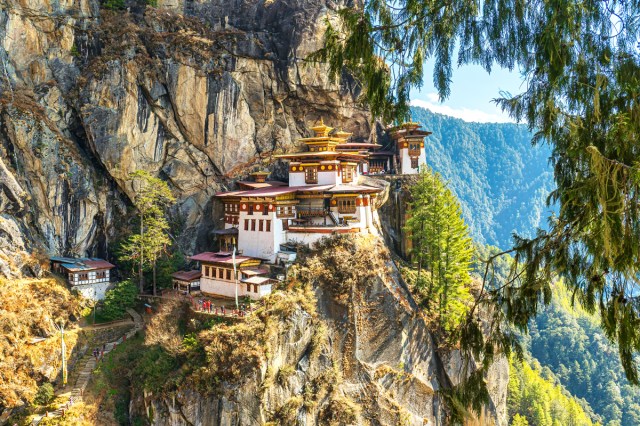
<point>501,180</point>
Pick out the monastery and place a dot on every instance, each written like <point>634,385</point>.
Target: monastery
<point>323,197</point>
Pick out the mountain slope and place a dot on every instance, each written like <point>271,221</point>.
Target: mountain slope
<point>501,180</point>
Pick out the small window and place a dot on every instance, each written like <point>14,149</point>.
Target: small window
<point>255,288</point>
<point>268,226</point>
<point>246,224</point>
<point>220,273</point>
<point>347,205</point>
<point>248,287</point>
<point>253,224</point>
<point>229,274</point>
<point>250,209</point>
<point>265,209</point>
<point>261,226</point>
<point>347,174</point>
<point>414,162</point>
<point>311,175</point>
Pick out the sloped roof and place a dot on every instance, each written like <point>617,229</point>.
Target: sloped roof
<point>81,263</point>
<point>220,257</point>
<point>187,275</point>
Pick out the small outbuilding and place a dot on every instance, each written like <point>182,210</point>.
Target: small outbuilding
<point>90,276</point>
<point>187,281</point>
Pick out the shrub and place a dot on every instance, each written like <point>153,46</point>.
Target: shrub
<point>45,394</point>
<point>118,300</point>
<point>113,4</point>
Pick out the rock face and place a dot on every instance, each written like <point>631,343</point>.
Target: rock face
<point>379,361</point>
<point>195,92</point>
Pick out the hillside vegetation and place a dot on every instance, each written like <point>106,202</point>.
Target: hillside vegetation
<point>501,180</point>
<point>27,310</point>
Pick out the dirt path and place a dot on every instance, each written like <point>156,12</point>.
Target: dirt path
<point>73,394</point>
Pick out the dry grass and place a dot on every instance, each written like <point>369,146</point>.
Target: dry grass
<point>339,263</point>
<point>27,310</point>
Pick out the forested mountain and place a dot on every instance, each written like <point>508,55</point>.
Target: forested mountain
<point>501,180</point>
<point>570,343</point>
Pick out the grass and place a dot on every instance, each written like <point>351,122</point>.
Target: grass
<point>28,309</point>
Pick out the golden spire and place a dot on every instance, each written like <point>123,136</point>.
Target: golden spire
<point>321,130</point>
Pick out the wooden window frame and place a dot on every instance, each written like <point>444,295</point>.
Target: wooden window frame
<point>311,175</point>
<point>347,205</point>
<point>246,224</point>
<point>268,225</point>
<point>261,226</point>
<point>253,224</point>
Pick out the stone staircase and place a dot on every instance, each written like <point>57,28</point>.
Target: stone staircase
<point>84,374</point>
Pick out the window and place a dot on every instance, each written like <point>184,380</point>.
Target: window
<point>414,162</point>
<point>220,273</point>
<point>255,288</point>
<point>248,287</point>
<point>250,209</point>
<point>246,224</point>
<point>268,225</point>
<point>229,274</point>
<point>265,209</point>
<point>261,226</point>
<point>310,175</point>
<point>347,205</point>
<point>347,174</point>
<point>253,224</point>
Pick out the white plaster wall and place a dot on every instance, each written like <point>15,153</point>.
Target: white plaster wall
<point>262,244</point>
<point>221,287</point>
<point>96,291</point>
<point>297,179</point>
<point>405,161</point>
<point>329,178</point>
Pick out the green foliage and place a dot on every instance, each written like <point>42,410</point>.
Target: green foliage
<point>442,246</point>
<point>581,65</point>
<point>153,368</point>
<point>74,51</point>
<point>113,4</point>
<point>152,3</point>
<point>45,394</point>
<point>501,181</point>
<point>153,196</point>
<point>117,300</point>
<point>537,401</point>
<point>570,342</point>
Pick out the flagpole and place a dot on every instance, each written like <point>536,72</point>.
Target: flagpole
<point>235,274</point>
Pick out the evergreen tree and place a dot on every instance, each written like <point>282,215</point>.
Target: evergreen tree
<point>581,64</point>
<point>442,246</point>
<point>152,198</point>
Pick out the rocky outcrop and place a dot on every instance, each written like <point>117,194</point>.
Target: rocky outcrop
<point>197,93</point>
<point>376,363</point>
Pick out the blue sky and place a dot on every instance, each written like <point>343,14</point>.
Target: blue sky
<point>472,90</point>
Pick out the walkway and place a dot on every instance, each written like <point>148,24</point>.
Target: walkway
<point>75,394</point>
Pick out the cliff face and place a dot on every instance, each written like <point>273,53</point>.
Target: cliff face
<point>355,351</point>
<point>193,92</point>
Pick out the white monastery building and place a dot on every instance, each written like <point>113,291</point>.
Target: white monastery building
<point>323,197</point>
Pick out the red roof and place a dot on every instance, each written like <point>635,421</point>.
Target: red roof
<point>187,275</point>
<point>211,257</point>
<point>98,264</point>
<point>258,185</point>
<point>272,192</point>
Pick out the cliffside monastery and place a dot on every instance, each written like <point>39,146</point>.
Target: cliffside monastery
<point>262,219</point>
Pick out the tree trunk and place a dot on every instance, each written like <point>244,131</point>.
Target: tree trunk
<point>140,266</point>
<point>154,277</point>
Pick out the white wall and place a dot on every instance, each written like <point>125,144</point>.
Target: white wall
<point>93,291</point>
<point>297,179</point>
<point>223,288</point>
<point>262,244</point>
<point>329,177</point>
<point>405,161</point>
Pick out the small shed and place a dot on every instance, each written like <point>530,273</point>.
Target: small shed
<point>187,281</point>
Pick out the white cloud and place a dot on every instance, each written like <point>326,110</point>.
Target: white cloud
<point>466,114</point>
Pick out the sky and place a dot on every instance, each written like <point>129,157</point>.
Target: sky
<point>472,90</point>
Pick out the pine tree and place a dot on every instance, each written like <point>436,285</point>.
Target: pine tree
<point>152,198</point>
<point>442,246</point>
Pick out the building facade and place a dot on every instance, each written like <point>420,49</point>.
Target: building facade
<point>322,197</point>
<point>89,276</point>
